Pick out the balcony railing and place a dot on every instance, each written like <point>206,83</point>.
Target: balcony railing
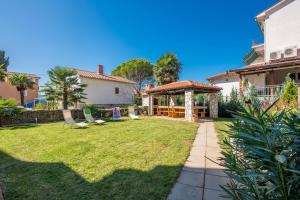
<point>270,91</point>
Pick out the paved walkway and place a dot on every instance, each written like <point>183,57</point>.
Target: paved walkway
<point>200,178</point>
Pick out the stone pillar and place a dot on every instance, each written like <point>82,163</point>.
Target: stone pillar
<point>241,86</point>
<point>150,107</point>
<point>189,105</point>
<point>213,105</point>
<point>172,101</point>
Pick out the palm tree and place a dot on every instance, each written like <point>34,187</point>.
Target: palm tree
<point>50,92</point>
<point>2,72</point>
<point>77,94</point>
<point>4,62</point>
<point>63,86</point>
<point>22,83</point>
<point>167,69</point>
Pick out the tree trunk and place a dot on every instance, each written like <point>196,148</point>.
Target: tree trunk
<point>65,99</point>
<point>22,97</point>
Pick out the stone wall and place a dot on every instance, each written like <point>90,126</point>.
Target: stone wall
<point>189,104</point>
<point>45,116</point>
<point>38,116</point>
<point>213,105</point>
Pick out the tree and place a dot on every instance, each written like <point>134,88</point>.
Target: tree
<point>138,70</point>
<point>49,91</point>
<point>167,69</point>
<point>22,83</point>
<point>77,94</point>
<point>64,86</point>
<point>4,62</point>
<point>290,91</point>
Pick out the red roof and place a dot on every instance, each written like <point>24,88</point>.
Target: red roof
<point>95,75</point>
<point>220,75</point>
<point>185,85</point>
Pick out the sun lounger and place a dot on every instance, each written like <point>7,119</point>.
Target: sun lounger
<point>131,113</point>
<point>89,118</point>
<point>70,121</point>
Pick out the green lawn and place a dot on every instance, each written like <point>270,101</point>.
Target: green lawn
<point>221,125</point>
<point>120,160</point>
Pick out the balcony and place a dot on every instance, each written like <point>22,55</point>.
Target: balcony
<point>270,92</point>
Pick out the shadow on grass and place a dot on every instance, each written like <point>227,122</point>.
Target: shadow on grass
<point>31,180</point>
<point>20,126</point>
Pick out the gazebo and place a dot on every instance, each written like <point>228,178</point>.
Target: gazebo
<point>188,89</point>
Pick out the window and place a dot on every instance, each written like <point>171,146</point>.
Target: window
<point>293,76</point>
<point>117,90</point>
<point>25,93</point>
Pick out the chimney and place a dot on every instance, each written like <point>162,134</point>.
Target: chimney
<point>148,87</point>
<point>100,69</point>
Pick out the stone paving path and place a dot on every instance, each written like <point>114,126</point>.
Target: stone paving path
<point>200,178</point>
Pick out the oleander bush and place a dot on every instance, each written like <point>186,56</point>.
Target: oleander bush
<point>262,154</point>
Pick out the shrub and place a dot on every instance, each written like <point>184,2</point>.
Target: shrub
<point>8,108</point>
<point>137,100</point>
<point>52,107</point>
<point>92,108</point>
<point>225,109</point>
<point>40,107</point>
<point>262,156</point>
<point>290,93</point>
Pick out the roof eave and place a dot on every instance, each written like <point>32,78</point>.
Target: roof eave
<point>132,83</point>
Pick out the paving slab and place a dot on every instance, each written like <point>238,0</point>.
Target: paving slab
<point>214,182</point>
<point>201,175</point>
<point>191,178</point>
<point>212,194</point>
<point>185,192</point>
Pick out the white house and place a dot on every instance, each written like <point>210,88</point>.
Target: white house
<point>106,90</point>
<point>269,63</point>
<point>228,81</point>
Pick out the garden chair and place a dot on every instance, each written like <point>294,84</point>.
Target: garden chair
<point>89,118</point>
<point>70,121</point>
<point>116,114</point>
<point>131,113</point>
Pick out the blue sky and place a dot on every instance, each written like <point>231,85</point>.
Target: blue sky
<point>207,36</point>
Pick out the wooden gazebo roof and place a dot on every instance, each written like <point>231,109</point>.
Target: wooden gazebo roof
<point>180,87</point>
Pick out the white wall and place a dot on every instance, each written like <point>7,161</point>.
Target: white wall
<point>145,100</point>
<point>282,29</point>
<point>257,80</point>
<point>103,92</point>
<point>227,83</point>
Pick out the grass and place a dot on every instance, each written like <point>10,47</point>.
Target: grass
<point>120,160</point>
<point>221,127</point>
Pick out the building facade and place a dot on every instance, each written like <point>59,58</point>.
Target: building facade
<point>268,64</point>
<point>106,90</point>
<point>228,81</point>
<point>8,91</point>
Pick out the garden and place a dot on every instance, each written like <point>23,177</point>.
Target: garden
<point>129,159</point>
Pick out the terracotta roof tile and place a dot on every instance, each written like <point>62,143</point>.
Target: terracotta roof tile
<point>95,75</point>
<point>222,75</point>
<point>184,85</point>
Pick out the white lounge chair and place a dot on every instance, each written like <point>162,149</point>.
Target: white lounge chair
<point>131,113</point>
<point>70,121</point>
<point>89,118</point>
